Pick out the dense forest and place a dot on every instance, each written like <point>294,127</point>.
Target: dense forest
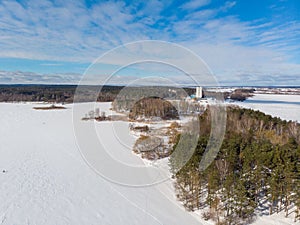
<point>123,96</point>
<point>256,169</point>
<point>57,93</point>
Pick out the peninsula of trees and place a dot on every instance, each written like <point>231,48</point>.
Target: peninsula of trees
<point>257,167</point>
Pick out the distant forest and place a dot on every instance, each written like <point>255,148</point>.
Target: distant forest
<point>56,93</point>
<point>257,168</point>
<point>65,93</point>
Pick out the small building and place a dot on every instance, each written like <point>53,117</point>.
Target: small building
<point>199,92</point>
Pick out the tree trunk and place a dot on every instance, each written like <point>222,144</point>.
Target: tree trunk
<point>271,209</point>
<point>286,206</point>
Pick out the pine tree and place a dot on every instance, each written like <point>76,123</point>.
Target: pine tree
<point>290,166</point>
<point>259,159</point>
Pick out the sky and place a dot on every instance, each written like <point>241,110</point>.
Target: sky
<point>242,42</point>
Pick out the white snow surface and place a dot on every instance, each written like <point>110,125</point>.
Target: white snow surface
<point>46,181</point>
<point>286,107</point>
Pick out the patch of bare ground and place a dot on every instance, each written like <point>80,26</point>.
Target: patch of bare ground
<point>155,143</point>
<point>107,118</point>
<point>52,107</point>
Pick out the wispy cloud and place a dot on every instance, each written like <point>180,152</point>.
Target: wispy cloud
<point>195,4</point>
<point>74,31</point>
<point>228,5</point>
<point>21,77</point>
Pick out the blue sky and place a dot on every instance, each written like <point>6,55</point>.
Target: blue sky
<point>243,42</point>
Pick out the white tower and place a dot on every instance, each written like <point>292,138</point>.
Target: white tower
<point>199,92</point>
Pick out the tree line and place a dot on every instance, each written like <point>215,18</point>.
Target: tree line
<point>124,101</point>
<point>57,93</point>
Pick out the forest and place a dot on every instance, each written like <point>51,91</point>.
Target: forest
<point>257,169</point>
<point>57,93</point>
<point>123,96</point>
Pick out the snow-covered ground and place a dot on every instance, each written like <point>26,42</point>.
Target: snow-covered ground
<point>284,106</point>
<point>45,180</point>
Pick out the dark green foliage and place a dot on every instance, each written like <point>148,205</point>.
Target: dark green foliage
<point>57,93</point>
<point>259,160</point>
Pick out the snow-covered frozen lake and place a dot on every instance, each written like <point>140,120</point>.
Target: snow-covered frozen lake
<point>286,107</point>
<point>46,181</point>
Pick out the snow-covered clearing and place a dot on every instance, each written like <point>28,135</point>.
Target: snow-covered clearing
<point>44,179</point>
<point>284,106</point>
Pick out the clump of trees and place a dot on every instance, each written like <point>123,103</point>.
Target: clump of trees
<point>129,96</point>
<point>259,161</point>
<point>153,107</point>
<point>51,107</point>
<point>241,94</point>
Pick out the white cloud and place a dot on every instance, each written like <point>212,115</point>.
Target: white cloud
<point>70,31</point>
<point>228,5</point>
<point>195,4</point>
<point>20,77</point>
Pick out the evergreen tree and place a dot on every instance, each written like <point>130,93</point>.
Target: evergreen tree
<point>258,160</point>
